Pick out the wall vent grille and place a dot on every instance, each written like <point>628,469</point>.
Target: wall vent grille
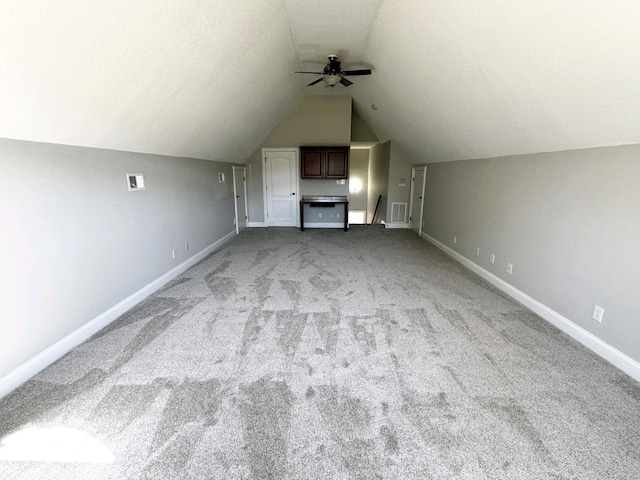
<point>398,213</point>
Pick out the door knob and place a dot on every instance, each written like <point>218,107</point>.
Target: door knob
<point>293,193</point>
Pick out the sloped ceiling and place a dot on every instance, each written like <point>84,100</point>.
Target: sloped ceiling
<point>454,79</point>
<point>203,79</point>
<point>461,79</point>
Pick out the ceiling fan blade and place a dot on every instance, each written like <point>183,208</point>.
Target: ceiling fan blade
<point>315,73</point>
<point>357,72</point>
<point>345,82</point>
<point>315,81</point>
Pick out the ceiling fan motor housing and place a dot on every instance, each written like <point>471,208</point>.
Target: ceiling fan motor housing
<point>333,67</point>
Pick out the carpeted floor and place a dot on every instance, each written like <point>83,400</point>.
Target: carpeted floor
<point>325,354</point>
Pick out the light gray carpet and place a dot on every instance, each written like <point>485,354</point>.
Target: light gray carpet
<point>326,354</point>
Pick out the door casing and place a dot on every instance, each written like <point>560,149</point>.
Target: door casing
<point>417,198</point>
<point>240,197</point>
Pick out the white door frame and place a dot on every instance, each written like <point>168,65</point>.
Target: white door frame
<point>243,170</point>
<point>295,150</point>
<point>424,184</point>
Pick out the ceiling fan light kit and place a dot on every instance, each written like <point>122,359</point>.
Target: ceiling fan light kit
<point>331,80</point>
<point>332,74</point>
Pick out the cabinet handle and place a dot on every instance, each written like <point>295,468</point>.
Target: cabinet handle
<point>293,193</point>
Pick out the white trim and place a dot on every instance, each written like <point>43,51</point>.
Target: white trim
<point>242,169</point>
<point>324,225</point>
<point>411,195</point>
<point>625,363</point>
<point>31,367</point>
<point>397,225</point>
<point>256,224</point>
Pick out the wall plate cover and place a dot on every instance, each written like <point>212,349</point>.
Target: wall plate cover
<point>135,181</point>
<point>598,312</point>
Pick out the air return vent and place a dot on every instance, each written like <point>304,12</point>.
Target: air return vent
<point>398,213</point>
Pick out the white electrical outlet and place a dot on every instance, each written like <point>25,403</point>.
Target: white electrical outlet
<point>492,259</point>
<point>455,239</point>
<point>509,268</point>
<point>598,312</point>
<point>173,253</point>
<point>477,251</point>
<point>320,215</point>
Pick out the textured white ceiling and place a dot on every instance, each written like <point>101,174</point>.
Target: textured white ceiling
<point>321,28</point>
<point>461,79</point>
<point>210,79</point>
<point>206,79</point>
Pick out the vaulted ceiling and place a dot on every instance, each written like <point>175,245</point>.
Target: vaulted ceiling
<point>454,79</point>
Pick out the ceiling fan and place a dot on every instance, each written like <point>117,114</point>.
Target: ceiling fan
<point>332,74</point>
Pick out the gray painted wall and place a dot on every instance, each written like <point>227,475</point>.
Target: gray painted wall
<point>358,178</point>
<point>567,221</point>
<point>360,131</point>
<point>399,180</point>
<point>317,120</point>
<point>378,180</point>
<point>76,242</point>
<point>255,199</point>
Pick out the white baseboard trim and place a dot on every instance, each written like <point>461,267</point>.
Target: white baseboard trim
<point>256,224</point>
<point>625,363</point>
<point>396,225</point>
<point>323,225</point>
<point>31,367</point>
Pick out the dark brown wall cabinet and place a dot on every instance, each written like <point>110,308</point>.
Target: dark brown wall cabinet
<point>324,162</point>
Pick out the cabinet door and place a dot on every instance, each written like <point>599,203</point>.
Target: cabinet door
<point>336,162</point>
<point>311,160</point>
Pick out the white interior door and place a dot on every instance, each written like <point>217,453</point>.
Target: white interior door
<point>240,193</point>
<point>418,176</point>
<point>280,169</point>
